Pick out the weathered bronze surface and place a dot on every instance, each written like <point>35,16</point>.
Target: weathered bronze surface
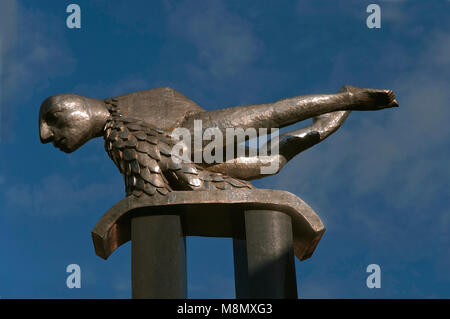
<point>264,265</point>
<point>136,128</point>
<point>197,198</point>
<point>209,214</point>
<point>158,257</point>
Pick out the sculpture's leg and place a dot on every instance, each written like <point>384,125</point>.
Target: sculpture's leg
<point>263,256</point>
<point>158,253</point>
<point>290,144</point>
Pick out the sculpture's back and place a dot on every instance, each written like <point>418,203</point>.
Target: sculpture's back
<point>163,107</point>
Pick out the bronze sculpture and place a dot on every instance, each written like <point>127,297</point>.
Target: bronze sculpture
<point>137,137</point>
<point>137,130</point>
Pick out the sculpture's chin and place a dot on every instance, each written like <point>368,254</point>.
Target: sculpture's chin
<point>70,145</point>
<point>65,148</point>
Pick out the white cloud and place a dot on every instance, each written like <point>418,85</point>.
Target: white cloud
<point>215,286</point>
<point>40,52</point>
<point>8,21</point>
<point>122,287</point>
<point>33,52</point>
<point>126,85</point>
<point>224,41</point>
<point>58,195</point>
<point>396,159</point>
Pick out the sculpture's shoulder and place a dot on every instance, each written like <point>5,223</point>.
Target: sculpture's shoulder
<point>163,107</point>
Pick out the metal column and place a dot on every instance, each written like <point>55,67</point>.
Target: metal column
<point>158,257</point>
<point>263,256</point>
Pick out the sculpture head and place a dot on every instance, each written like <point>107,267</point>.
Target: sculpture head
<point>70,120</point>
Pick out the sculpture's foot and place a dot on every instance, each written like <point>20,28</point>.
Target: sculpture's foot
<point>370,99</point>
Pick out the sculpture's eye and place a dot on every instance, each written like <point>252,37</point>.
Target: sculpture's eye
<point>51,118</point>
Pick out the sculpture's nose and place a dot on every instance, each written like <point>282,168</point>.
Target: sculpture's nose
<point>45,133</point>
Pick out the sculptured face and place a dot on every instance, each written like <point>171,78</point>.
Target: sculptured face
<point>65,120</point>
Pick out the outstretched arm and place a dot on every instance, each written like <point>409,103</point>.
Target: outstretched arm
<point>290,145</point>
<point>292,110</point>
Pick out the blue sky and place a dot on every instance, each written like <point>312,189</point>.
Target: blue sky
<point>380,184</point>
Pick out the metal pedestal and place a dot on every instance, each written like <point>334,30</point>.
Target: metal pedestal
<point>158,253</point>
<point>263,255</point>
<point>267,226</point>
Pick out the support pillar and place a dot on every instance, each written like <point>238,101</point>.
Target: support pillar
<point>158,257</point>
<point>263,256</point>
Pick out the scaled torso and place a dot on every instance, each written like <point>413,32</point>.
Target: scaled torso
<point>142,153</point>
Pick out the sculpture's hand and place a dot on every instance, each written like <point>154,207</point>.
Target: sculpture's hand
<point>370,99</point>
